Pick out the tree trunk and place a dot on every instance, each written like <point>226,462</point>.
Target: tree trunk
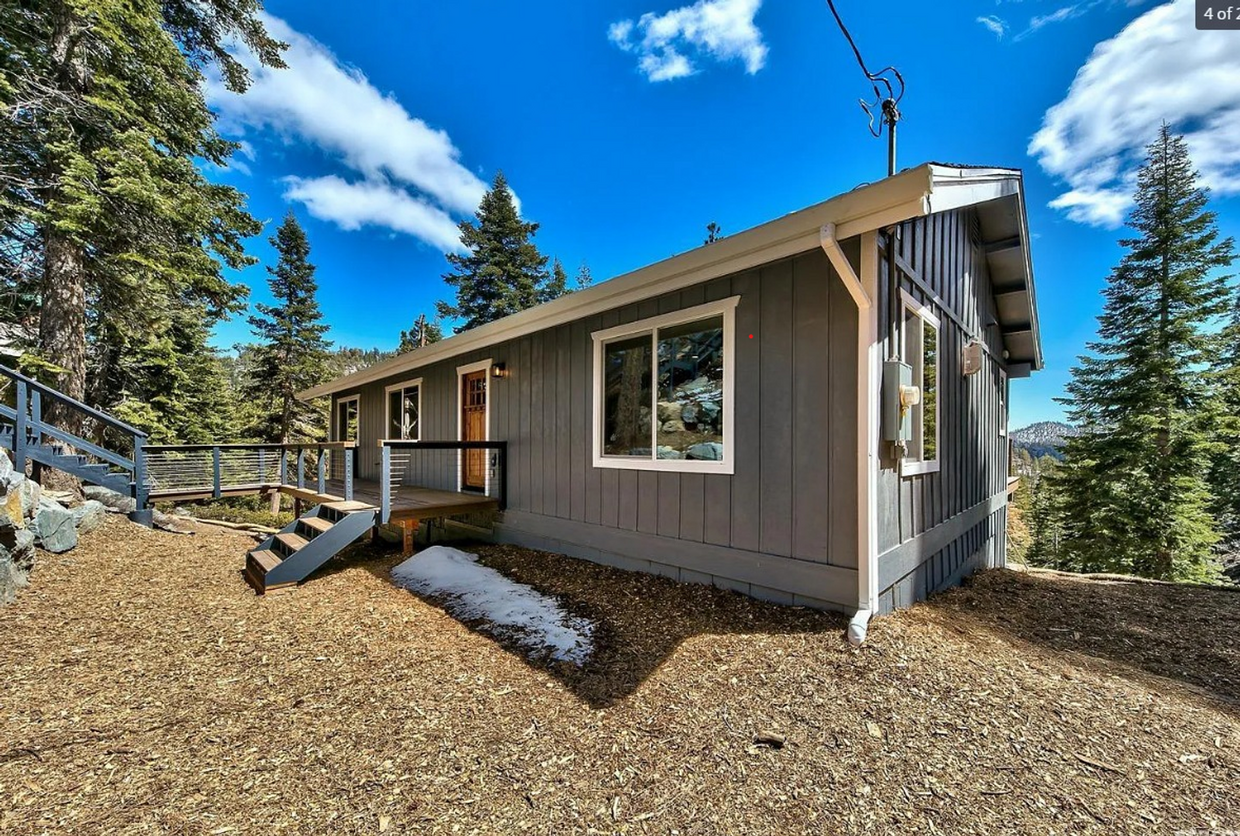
<point>62,337</point>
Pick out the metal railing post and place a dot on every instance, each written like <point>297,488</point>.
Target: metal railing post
<point>283,466</point>
<point>322,471</point>
<point>215,469</point>
<point>36,416</point>
<point>503,475</point>
<point>301,467</point>
<point>348,473</point>
<point>141,489</point>
<point>385,485</point>
<point>19,430</point>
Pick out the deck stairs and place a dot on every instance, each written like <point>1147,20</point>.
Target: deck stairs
<point>28,437</point>
<point>308,542</point>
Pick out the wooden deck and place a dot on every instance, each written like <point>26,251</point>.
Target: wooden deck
<point>409,503</point>
<point>414,503</point>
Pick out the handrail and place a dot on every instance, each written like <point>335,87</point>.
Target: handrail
<point>443,445</point>
<point>387,445</point>
<point>289,447</point>
<point>115,423</point>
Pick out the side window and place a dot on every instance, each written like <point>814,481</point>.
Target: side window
<point>922,353</point>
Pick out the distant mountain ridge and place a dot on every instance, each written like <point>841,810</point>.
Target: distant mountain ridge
<point>1045,438</point>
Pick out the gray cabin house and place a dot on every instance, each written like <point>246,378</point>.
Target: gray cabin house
<point>813,411</point>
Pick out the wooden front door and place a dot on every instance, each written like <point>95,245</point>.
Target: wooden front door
<point>474,428</point>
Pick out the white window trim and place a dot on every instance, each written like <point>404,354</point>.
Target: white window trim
<point>723,307</point>
<point>1003,403</point>
<point>387,405</point>
<point>461,371</point>
<point>357,399</point>
<point>910,467</point>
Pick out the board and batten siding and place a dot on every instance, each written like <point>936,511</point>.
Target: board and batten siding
<point>782,527</point>
<point>936,528</point>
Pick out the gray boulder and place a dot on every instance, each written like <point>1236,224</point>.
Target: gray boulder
<point>54,528</point>
<point>16,561</point>
<point>111,500</point>
<point>706,451</point>
<point>689,413</point>
<point>669,453</point>
<point>89,515</point>
<point>6,466</point>
<point>676,426</point>
<point>27,491</point>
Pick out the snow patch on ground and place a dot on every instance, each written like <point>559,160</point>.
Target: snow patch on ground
<point>470,591</point>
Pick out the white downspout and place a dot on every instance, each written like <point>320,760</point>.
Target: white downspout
<point>864,291</point>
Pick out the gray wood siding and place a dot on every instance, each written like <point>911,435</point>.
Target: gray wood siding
<point>793,493</point>
<point>940,263</point>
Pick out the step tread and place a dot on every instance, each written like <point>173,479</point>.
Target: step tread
<point>318,524</point>
<point>292,542</point>
<point>266,559</point>
<point>348,505</point>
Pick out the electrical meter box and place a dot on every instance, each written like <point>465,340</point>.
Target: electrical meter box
<point>897,419</point>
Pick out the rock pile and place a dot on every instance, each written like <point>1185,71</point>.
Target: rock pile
<point>29,519</point>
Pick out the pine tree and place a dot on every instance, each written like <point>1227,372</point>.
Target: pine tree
<point>291,354</point>
<point>104,126</point>
<point>424,332</point>
<point>1132,490</point>
<point>503,272</point>
<point>557,285</point>
<point>1044,519</point>
<point>584,277</point>
<point>1225,468</point>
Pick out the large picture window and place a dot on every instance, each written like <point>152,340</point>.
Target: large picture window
<point>663,391</point>
<point>404,406</point>
<point>922,352</point>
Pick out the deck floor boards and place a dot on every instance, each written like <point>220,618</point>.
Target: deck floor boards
<point>409,503</point>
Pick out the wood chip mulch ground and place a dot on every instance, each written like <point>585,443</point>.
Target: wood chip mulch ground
<point>145,689</point>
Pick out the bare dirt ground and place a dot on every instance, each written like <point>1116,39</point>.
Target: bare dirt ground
<point>145,689</point>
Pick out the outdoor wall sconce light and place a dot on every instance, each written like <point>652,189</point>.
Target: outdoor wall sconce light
<point>499,370</point>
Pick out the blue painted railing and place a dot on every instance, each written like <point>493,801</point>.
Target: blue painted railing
<point>31,438</point>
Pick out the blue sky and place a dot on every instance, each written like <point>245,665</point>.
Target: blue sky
<point>626,127</point>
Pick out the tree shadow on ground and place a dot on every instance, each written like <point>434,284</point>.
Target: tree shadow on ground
<point>640,619</point>
<point>1186,633</point>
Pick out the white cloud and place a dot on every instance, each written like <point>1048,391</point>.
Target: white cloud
<point>669,45</point>
<point>997,25</point>
<point>335,108</point>
<point>1158,68</point>
<point>352,206</point>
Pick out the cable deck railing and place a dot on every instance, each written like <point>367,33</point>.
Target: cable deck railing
<point>185,471</point>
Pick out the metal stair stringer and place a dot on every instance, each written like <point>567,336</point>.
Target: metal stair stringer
<point>289,557</point>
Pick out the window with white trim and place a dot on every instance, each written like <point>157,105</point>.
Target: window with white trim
<point>663,391</point>
<point>404,408</point>
<point>922,353</point>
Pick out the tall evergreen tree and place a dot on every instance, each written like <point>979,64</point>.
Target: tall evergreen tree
<point>101,195</point>
<point>584,277</point>
<point>557,285</point>
<point>291,354</point>
<point>424,332</point>
<point>1225,468</point>
<point>503,272</point>
<point>1133,491</point>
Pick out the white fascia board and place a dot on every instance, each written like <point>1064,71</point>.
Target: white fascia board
<point>862,210</point>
